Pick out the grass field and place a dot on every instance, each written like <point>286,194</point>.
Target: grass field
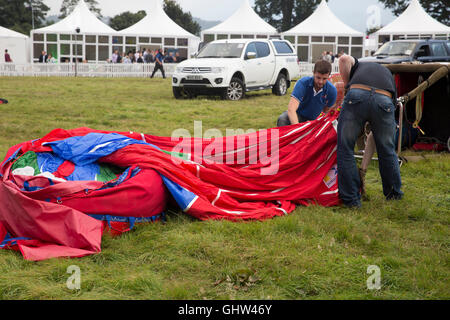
<point>314,253</point>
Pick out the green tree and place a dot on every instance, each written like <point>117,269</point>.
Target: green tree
<point>67,7</point>
<point>285,14</point>
<point>438,9</point>
<point>184,19</point>
<point>17,15</point>
<point>126,19</point>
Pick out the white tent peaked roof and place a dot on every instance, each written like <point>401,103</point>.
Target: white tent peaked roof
<point>244,20</point>
<point>157,22</point>
<point>414,20</point>
<point>323,22</point>
<point>6,33</point>
<point>80,17</point>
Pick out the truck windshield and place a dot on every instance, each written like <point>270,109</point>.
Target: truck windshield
<point>396,49</point>
<point>221,50</point>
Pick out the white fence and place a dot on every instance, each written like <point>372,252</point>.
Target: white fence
<point>106,70</point>
<point>306,69</point>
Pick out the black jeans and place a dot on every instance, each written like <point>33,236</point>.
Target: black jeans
<point>359,107</point>
<point>159,67</point>
<point>284,120</point>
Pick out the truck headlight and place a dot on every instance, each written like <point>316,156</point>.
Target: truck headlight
<point>217,70</point>
<point>179,69</point>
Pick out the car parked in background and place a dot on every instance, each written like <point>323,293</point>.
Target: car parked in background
<point>400,51</point>
<point>230,68</point>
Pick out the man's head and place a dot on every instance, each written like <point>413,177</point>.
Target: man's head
<point>322,71</point>
<point>6,50</point>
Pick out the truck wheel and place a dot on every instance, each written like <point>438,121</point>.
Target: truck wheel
<point>281,86</point>
<point>181,93</point>
<point>235,90</point>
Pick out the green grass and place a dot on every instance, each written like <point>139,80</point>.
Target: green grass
<point>314,253</point>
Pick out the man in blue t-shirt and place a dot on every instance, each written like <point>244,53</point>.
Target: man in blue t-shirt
<point>159,59</point>
<point>310,97</point>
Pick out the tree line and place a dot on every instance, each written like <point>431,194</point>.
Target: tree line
<point>18,15</point>
<point>282,14</point>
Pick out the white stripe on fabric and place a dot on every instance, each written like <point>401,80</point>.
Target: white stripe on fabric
<point>297,129</point>
<point>281,209</point>
<point>143,138</point>
<point>298,139</point>
<point>329,156</point>
<point>100,146</point>
<point>217,198</point>
<point>241,193</point>
<point>190,204</point>
<point>326,124</point>
<point>198,171</point>
<point>233,212</point>
<point>278,190</point>
<point>330,192</point>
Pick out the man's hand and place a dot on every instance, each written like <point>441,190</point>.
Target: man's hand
<point>292,110</point>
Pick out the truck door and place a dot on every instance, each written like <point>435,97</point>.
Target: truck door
<point>252,65</point>
<point>266,63</point>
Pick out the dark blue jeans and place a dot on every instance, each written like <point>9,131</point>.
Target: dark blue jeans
<point>359,107</point>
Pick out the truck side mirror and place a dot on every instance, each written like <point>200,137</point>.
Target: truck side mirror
<point>251,55</point>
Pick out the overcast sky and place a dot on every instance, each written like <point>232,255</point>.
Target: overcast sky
<point>351,12</point>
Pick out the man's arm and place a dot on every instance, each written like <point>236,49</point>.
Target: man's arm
<point>292,110</point>
<point>345,66</point>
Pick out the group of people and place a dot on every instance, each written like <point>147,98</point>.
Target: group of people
<point>330,57</point>
<point>47,58</point>
<point>370,97</point>
<point>145,56</point>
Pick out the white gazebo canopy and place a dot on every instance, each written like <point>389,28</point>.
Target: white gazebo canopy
<point>414,22</point>
<point>7,33</point>
<point>16,43</point>
<point>323,31</point>
<point>157,29</point>
<point>157,23</point>
<point>81,17</point>
<point>92,43</point>
<point>245,22</point>
<point>323,22</point>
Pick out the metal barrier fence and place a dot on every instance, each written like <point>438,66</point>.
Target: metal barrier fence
<point>105,70</point>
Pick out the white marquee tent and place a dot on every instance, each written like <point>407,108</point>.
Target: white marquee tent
<point>413,23</point>
<point>157,30</point>
<point>93,43</point>
<point>17,45</point>
<point>244,23</point>
<point>323,31</point>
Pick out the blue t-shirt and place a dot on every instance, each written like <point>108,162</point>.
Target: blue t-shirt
<point>160,57</point>
<point>311,106</point>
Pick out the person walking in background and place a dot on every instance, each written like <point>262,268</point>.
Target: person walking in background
<point>159,64</point>
<point>7,56</point>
